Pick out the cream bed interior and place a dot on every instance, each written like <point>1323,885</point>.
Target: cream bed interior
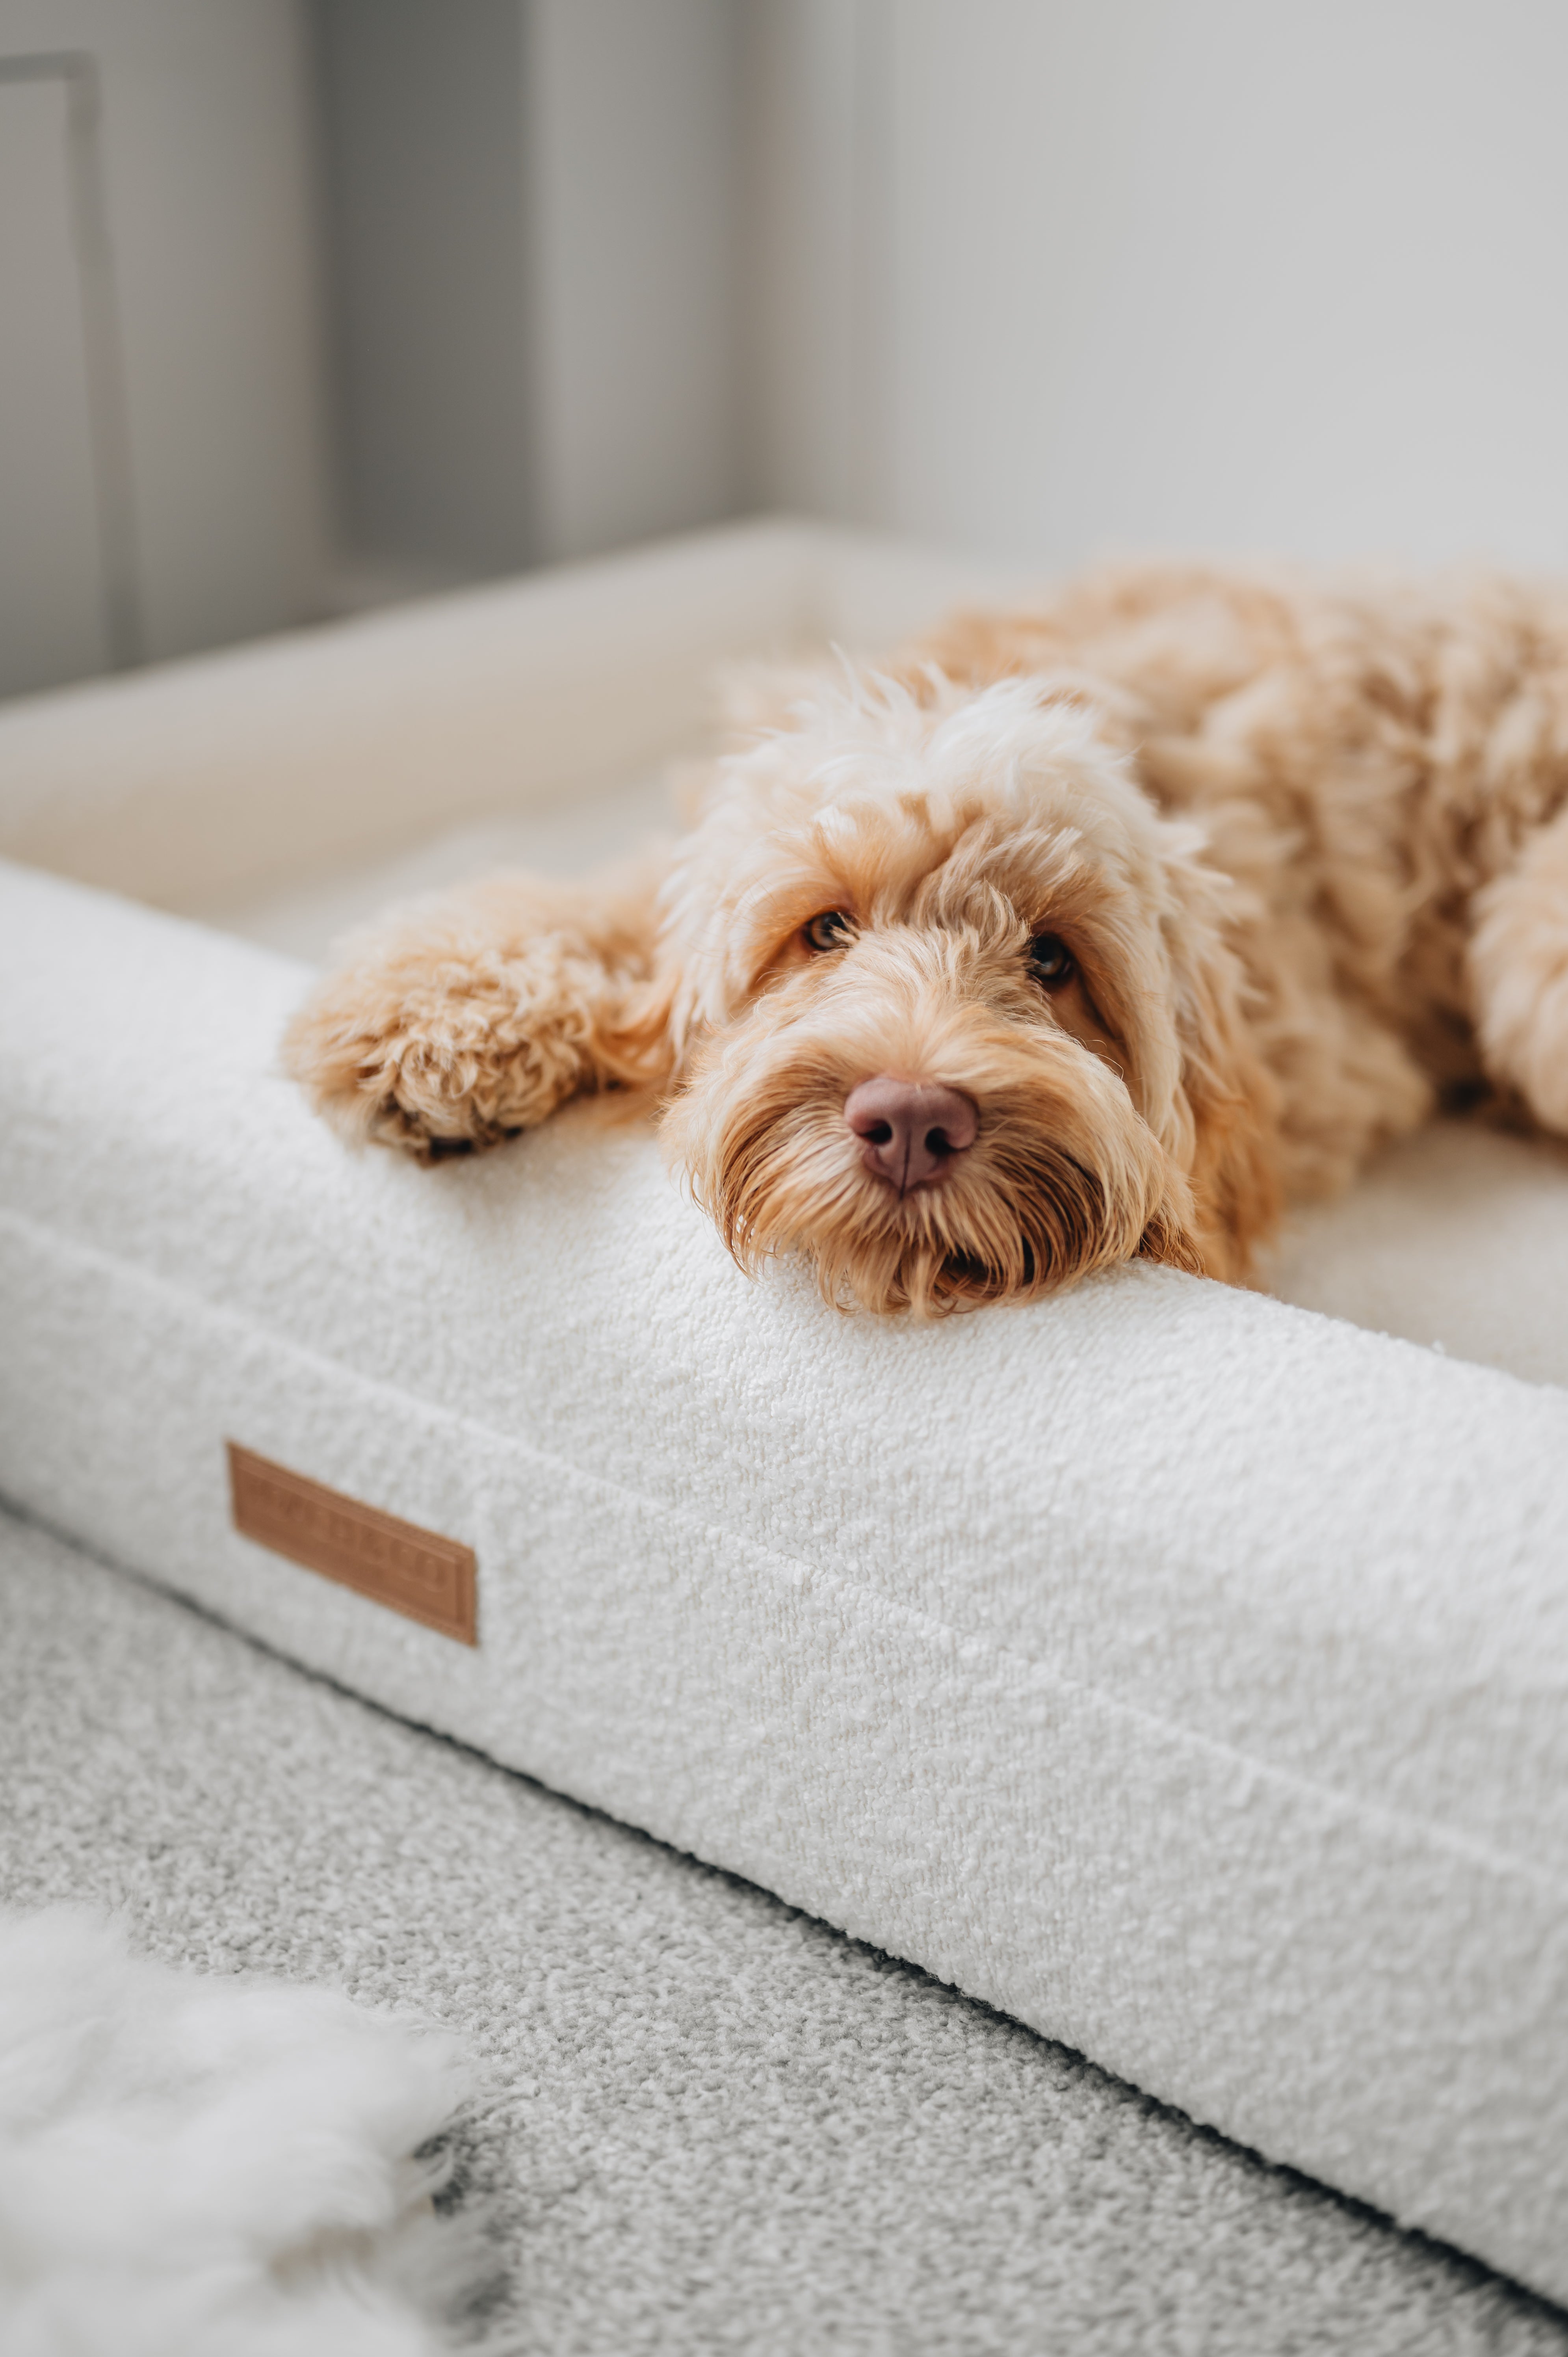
<point>1181,1672</point>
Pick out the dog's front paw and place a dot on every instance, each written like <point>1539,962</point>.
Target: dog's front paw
<point>437,1044</point>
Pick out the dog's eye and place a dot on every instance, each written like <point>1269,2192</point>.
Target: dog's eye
<point>1051,959</point>
<point>832,931</point>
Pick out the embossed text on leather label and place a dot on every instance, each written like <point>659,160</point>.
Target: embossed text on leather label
<point>414,1571</point>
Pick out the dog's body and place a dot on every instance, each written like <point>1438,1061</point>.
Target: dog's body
<point>1101,929</point>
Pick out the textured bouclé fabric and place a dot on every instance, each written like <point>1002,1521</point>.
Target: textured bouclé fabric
<point>701,2124</point>
<point>1180,1672</point>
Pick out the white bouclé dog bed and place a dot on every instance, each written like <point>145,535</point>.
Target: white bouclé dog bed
<point>1184,1672</point>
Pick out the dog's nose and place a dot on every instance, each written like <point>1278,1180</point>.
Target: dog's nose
<point>910,1131</point>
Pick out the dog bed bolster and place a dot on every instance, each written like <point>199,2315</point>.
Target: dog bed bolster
<point>1183,1673</point>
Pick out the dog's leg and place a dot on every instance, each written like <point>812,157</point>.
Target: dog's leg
<point>454,1022</point>
<point>1518,969</point>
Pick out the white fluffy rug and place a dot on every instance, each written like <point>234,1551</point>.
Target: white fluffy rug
<point>194,2166</point>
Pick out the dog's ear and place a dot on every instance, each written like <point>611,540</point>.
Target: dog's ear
<point>1171,1236</point>
<point>1225,1118</point>
<point>642,1052</point>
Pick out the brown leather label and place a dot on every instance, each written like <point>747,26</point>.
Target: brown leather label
<point>414,1571</point>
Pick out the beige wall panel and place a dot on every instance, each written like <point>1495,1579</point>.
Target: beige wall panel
<point>51,584</point>
<point>208,177</point>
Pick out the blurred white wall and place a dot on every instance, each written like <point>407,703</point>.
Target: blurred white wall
<point>533,211</point>
<point>813,303</point>
<point>1049,276</point>
<point>422,172</point>
<point>1036,277</point>
<point>56,607</point>
<point>635,187</point>
<point>162,477</point>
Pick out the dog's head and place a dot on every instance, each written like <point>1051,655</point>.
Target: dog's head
<point>951,1008</point>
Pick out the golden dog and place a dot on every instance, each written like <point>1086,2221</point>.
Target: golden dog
<point>1074,934</point>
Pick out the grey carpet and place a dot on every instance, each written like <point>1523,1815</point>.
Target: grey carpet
<point>707,2123</point>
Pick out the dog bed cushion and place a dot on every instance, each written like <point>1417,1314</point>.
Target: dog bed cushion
<point>1181,1671</point>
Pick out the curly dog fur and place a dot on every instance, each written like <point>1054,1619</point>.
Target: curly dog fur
<point>1194,886</point>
